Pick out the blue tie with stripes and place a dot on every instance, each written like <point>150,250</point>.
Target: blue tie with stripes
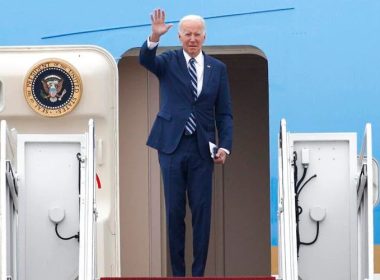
<point>191,126</point>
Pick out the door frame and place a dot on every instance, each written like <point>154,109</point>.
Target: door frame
<point>158,256</point>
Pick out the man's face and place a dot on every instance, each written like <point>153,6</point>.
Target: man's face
<point>192,37</point>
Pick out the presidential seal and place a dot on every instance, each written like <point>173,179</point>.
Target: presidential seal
<point>52,87</point>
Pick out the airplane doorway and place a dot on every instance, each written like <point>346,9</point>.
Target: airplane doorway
<point>240,241</point>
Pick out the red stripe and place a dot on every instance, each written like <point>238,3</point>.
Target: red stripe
<point>98,182</point>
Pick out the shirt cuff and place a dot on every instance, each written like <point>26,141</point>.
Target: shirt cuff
<point>151,45</point>
<point>227,151</point>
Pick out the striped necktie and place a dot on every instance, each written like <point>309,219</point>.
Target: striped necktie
<point>191,126</point>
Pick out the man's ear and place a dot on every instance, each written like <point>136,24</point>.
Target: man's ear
<point>180,37</point>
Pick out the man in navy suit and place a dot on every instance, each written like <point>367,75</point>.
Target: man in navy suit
<point>194,103</point>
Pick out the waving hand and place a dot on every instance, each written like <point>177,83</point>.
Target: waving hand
<point>159,27</point>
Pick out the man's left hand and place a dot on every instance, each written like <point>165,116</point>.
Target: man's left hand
<point>220,156</point>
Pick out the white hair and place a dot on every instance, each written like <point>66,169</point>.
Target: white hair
<point>192,18</point>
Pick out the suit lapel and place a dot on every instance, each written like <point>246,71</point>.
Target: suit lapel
<point>186,75</point>
<point>182,63</point>
<point>207,70</point>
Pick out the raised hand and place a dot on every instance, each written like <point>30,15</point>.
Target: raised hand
<point>158,25</point>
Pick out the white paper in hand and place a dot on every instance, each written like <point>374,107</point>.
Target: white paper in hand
<point>213,149</point>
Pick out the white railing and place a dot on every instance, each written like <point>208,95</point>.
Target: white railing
<point>8,205</point>
<point>365,208</point>
<point>288,266</point>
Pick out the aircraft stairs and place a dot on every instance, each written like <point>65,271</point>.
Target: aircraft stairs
<point>193,278</point>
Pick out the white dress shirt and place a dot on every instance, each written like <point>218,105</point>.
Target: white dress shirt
<point>199,66</point>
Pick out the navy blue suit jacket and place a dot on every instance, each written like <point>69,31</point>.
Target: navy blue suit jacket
<point>212,109</point>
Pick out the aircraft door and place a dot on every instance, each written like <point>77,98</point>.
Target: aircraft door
<point>328,210</point>
<point>8,204</point>
<point>288,267</point>
<point>56,218</point>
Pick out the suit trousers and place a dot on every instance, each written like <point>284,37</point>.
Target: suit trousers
<point>185,172</point>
